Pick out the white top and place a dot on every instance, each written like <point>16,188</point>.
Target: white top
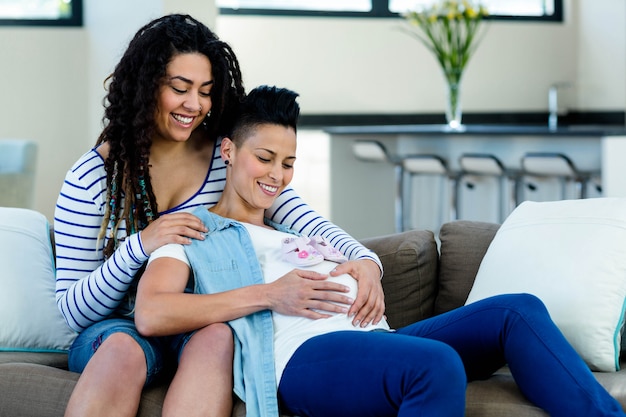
<point>289,331</point>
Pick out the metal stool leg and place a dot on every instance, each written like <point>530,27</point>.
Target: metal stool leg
<point>433,165</point>
<point>488,165</point>
<point>558,166</point>
<point>399,202</point>
<point>374,151</point>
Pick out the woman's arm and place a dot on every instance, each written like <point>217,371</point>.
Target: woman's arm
<point>163,308</point>
<point>87,288</point>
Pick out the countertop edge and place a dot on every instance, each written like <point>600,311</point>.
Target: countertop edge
<point>497,130</point>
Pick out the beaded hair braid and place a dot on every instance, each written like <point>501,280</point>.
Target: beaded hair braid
<point>130,106</point>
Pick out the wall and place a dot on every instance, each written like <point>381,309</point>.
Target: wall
<point>43,82</point>
<point>601,78</point>
<point>370,66</point>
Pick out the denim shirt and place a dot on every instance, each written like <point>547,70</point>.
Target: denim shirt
<point>226,260</point>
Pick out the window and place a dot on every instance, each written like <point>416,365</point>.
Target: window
<point>301,5</point>
<point>549,10</point>
<point>41,12</point>
<point>534,8</point>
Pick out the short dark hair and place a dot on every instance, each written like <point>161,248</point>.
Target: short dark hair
<point>265,105</point>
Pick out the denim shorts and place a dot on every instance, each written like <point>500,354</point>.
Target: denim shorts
<point>161,353</point>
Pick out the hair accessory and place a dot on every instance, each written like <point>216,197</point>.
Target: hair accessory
<point>147,207</point>
<point>208,114</point>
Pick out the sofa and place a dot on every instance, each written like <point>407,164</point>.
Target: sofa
<point>424,276</point>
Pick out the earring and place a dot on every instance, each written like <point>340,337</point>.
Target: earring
<point>226,162</point>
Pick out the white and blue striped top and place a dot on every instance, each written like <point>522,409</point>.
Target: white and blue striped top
<point>88,289</point>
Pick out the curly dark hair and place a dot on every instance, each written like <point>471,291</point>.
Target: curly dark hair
<point>130,106</point>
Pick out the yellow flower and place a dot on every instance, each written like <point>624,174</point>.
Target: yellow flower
<point>450,30</point>
<point>471,13</point>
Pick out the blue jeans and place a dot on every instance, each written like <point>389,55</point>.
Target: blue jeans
<point>422,369</point>
<point>158,350</point>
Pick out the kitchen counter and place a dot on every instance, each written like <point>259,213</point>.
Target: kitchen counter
<point>359,189</point>
<point>497,130</point>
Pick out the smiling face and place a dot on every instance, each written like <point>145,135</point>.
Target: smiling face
<point>261,167</point>
<point>184,97</point>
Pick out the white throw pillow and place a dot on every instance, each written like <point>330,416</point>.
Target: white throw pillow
<point>29,317</point>
<point>572,255</point>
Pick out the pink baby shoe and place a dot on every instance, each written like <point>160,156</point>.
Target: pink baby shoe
<point>297,251</point>
<point>326,249</point>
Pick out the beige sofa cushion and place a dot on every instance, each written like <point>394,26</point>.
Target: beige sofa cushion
<point>56,360</point>
<point>463,246</point>
<point>410,260</point>
<point>28,390</point>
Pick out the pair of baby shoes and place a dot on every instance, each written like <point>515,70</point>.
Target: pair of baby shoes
<point>326,249</point>
<point>302,251</point>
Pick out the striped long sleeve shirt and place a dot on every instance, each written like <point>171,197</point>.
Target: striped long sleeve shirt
<point>90,289</point>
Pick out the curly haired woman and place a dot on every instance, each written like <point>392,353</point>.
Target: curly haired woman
<point>170,99</point>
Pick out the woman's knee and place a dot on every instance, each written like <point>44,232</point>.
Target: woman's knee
<point>521,308</point>
<point>449,366</point>
<point>440,365</point>
<point>525,303</point>
<point>118,357</point>
<point>438,382</point>
<point>113,347</point>
<point>215,338</point>
<point>217,333</point>
<point>124,350</point>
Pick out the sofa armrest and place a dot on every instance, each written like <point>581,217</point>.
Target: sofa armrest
<point>463,246</point>
<point>410,262</point>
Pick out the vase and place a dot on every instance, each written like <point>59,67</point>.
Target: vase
<point>454,110</point>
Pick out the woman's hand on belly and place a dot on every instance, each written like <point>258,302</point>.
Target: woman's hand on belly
<point>308,294</point>
<point>369,306</point>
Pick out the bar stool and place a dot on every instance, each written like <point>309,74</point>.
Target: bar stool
<point>557,166</point>
<point>475,166</point>
<point>433,165</point>
<point>411,166</point>
<point>374,151</point>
